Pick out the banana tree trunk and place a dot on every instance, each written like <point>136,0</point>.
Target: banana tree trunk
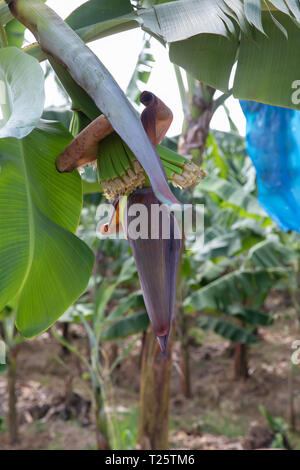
<point>13,427</point>
<point>186,388</point>
<point>154,395</point>
<point>241,370</point>
<point>291,398</point>
<point>198,115</point>
<point>101,422</point>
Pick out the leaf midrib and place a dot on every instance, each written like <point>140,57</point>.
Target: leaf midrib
<point>30,213</point>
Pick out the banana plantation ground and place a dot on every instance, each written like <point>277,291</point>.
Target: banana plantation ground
<point>223,413</point>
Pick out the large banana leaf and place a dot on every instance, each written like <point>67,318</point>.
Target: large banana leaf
<point>268,65</point>
<point>95,11</point>
<point>208,56</point>
<point>270,254</point>
<point>226,329</point>
<point>98,18</point>
<point>42,264</point>
<point>126,327</point>
<point>266,62</point>
<point>218,243</point>
<point>233,193</point>
<point>175,21</point>
<point>21,93</point>
<point>235,287</point>
<point>249,315</point>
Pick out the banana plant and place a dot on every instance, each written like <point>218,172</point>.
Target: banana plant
<point>283,253</point>
<point>231,301</point>
<point>60,43</point>
<point>279,427</point>
<point>230,304</point>
<point>12,340</point>
<point>221,278</point>
<point>120,174</point>
<point>126,319</point>
<point>117,176</point>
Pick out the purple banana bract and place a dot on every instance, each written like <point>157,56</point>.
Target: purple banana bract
<point>157,262</point>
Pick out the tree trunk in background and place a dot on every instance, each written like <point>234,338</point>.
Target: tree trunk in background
<point>241,370</point>
<point>13,427</point>
<point>185,377</point>
<point>113,354</point>
<point>197,120</point>
<point>154,395</point>
<point>198,111</point>
<point>186,388</point>
<point>101,422</point>
<point>291,403</point>
<point>144,335</point>
<point>66,334</point>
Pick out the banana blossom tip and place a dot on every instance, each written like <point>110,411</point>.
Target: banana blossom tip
<point>157,259</point>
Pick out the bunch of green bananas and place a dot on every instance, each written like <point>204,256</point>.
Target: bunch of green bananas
<point>120,172</point>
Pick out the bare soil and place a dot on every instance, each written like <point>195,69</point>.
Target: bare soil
<point>54,405</point>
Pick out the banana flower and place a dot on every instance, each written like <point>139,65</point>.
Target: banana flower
<point>120,173</point>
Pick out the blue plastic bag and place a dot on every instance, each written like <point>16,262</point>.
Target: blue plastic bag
<point>273,144</point>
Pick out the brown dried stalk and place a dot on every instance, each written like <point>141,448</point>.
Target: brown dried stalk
<point>84,147</point>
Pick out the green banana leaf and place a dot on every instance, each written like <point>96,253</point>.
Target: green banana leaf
<point>232,193</point>
<point>235,287</point>
<point>248,315</point>
<point>208,56</point>
<point>268,65</point>
<point>226,329</point>
<point>21,93</point>
<point>266,61</point>
<point>5,14</point>
<point>126,327</point>
<point>270,254</point>
<point>42,264</point>
<point>62,115</point>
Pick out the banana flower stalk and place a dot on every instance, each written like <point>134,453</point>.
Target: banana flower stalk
<point>156,253</point>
